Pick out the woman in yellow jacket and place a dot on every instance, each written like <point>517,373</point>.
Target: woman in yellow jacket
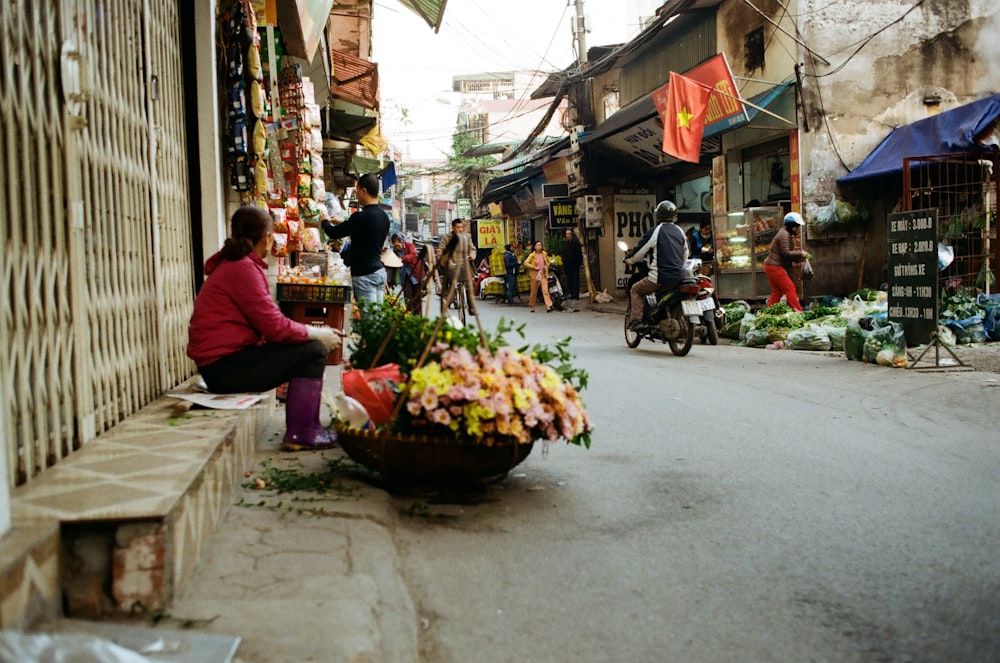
<point>537,264</point>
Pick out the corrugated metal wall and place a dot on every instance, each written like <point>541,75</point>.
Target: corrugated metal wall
<point>686,42</point>
<point>97,271</point>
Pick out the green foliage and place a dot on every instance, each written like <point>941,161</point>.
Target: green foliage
<point>412,334</point>
<point>959,305</point>
<point>817,312</point>
<point>780,308</point>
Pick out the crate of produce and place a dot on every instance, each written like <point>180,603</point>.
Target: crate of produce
<point>308,292</point>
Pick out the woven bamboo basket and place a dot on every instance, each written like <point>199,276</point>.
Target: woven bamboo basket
<point>430,461</point>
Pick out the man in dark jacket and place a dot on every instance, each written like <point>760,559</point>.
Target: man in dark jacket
<point>510,264</point>
<point>664,247</point>
<point>572,258</point>
<point>368,229</point>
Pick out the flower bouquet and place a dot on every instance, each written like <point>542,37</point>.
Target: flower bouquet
<point>468,404</point>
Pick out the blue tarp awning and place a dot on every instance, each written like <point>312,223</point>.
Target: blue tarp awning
<point>951,132</point>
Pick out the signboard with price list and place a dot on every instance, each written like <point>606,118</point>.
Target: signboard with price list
<point>913,274</point>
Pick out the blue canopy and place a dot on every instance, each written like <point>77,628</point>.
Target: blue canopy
<point>950,132</point>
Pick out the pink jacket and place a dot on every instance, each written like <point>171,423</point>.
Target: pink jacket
<point>234,310</point>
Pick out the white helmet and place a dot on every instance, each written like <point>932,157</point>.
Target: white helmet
<point>795,218</point>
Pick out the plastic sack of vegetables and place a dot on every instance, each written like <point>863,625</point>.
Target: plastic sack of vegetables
<point>854,341</point>
<point>836,336</point>
<point>885,344</point>
<point>808,338</point>
<point>853,309</point>
<point>969,330</point>
<point>746,324</point>
<point>757,338</point>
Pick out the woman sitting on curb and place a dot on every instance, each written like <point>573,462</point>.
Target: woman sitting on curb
<point>241,341</point>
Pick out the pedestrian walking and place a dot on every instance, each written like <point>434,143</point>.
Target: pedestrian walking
<point>537,264</point>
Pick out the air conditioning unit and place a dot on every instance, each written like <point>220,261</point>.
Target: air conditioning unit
<point>591,210</point>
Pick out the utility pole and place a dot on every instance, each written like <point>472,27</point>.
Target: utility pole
<point>580,35</point>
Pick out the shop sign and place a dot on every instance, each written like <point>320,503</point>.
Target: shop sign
<point>463,207</point>
<point>489,233</point>
<point>633,216</point>
<point>913,273</point>
<point>562,214</point>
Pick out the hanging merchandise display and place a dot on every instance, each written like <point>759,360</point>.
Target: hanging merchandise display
<point>301,149</point>
<point>247,106</point>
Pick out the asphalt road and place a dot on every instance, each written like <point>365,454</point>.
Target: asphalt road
<point>736,505</point>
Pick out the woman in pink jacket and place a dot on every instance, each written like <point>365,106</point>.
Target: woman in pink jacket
<point>241,341</point>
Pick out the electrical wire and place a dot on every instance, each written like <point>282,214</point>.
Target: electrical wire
<point>864,42</point>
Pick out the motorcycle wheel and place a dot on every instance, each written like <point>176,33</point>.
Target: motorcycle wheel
<point>681,346</point>
<point>632,337</point>
<point>711,331</point>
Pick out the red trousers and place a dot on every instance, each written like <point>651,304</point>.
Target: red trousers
<point>781,284</point>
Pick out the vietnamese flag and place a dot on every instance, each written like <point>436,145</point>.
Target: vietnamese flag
<point>684,119</point>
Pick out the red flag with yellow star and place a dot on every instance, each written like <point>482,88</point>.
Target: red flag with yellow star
<point>684,119</point>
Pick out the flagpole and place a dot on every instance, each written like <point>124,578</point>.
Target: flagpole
<point>741,100</point>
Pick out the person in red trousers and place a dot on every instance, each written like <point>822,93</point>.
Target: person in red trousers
<point>778,264</point>
<point>242,342</point>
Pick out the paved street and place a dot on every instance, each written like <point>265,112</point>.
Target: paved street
<point>736,505</point>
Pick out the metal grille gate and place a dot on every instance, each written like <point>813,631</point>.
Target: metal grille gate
<point>97,273</point>
<point>963,188</point>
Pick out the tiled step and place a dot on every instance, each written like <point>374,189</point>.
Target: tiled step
<point>135,504</point>
<point>29,575</point>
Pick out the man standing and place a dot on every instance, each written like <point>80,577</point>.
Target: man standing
<point>664,248</point>
<point>510,264</point>
<point>368,229</point>
<point>572,259</point>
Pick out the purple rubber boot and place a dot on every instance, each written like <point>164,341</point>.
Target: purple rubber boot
<point>302,428</point>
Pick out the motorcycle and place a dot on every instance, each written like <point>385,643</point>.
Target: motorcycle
<point>555,290</point>
<point>675,316</point>
<point>713,318</point>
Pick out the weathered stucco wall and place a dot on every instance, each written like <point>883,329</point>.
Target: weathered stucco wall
<point>920,60</point>
<point>944,49</point>
<point>735,20</point>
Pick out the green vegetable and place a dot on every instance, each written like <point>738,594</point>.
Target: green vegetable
<point>776,309</point>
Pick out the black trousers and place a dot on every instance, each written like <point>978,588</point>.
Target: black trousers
<point>264,367</point>
<point>572,281</point>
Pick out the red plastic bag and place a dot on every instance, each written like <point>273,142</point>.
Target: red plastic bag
<point>375,389</point>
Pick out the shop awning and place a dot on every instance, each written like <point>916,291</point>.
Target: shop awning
<point>952,132</point>
<point>637,131</point>
<point>302,23</point>
<point>505,185</point>
<point>431,11</point>
<point>354,79</point>
<point>345,125</point>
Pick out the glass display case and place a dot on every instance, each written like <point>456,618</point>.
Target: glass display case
<point>742,239</point>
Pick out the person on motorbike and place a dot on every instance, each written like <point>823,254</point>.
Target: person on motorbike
<point>664,247</point>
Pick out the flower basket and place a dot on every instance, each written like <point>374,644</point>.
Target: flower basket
<point>421,460</point>
<point>468,407</point>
